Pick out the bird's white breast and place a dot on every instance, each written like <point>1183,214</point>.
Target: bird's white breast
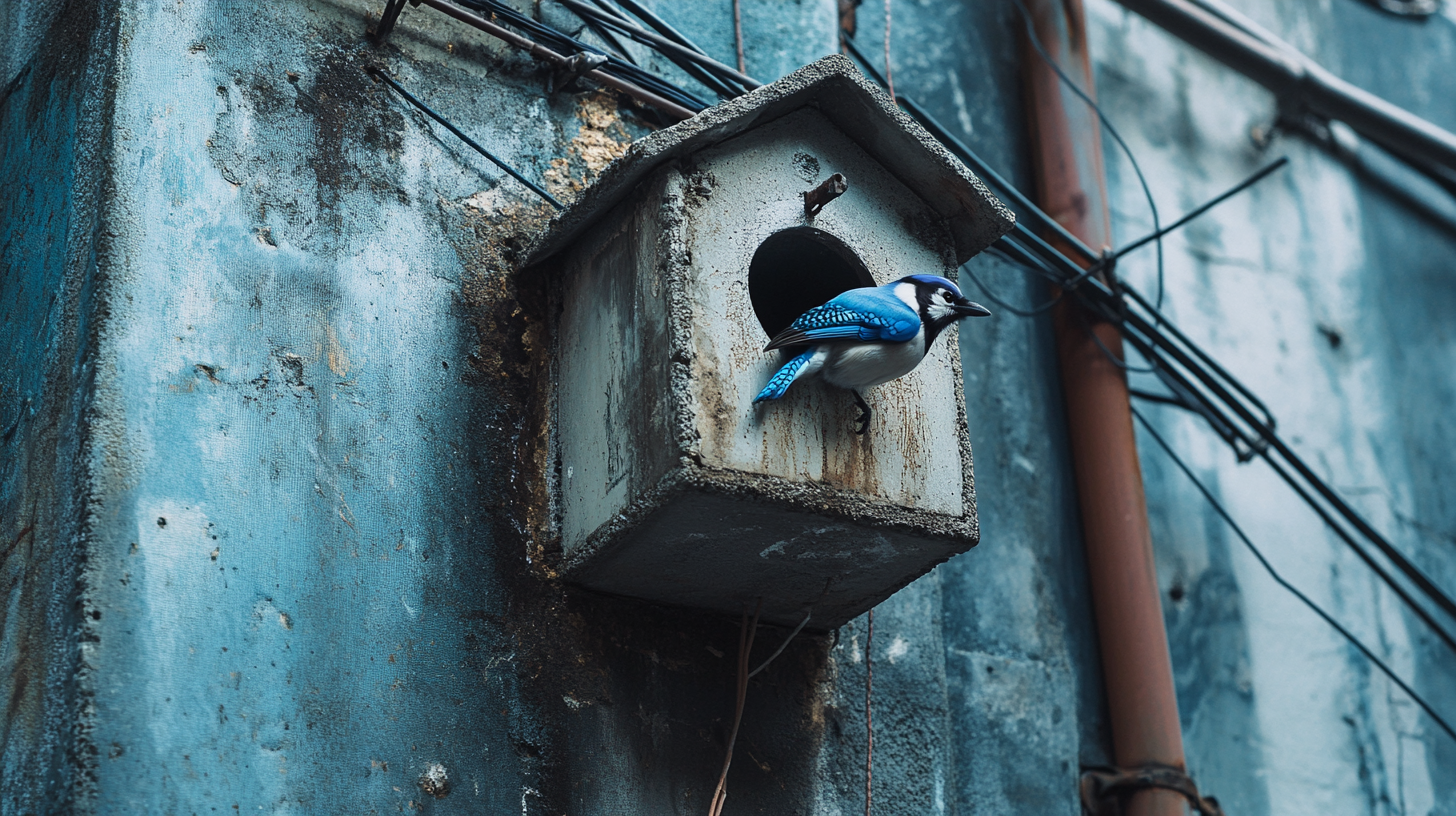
<point>862,365</point>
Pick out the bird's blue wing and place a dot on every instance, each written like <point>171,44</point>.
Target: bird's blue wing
<point>869,314</point>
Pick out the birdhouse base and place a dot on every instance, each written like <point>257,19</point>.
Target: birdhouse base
<point>721,541</point>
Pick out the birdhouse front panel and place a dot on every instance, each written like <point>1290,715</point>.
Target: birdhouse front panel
<point>752,244</point>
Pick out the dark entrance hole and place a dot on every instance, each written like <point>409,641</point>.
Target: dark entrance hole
<point>797,269</point>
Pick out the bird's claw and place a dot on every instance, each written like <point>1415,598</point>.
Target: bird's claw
<point>863,420</point>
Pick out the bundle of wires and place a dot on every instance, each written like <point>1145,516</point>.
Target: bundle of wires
<point>616,64</point>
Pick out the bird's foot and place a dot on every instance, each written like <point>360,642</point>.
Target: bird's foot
<point>863,420</point>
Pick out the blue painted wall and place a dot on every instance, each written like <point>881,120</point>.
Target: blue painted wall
<point>1333,300</point>
<point>268,398</point>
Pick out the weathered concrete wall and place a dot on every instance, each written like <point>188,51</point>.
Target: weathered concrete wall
<point>1334,302</point>
<point>288,522</point>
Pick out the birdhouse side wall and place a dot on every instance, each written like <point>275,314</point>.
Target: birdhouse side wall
<point>615,436</point>
<point>742,192</point>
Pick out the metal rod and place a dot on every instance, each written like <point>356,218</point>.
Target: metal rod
<point>1299,82</point>
<point>378,73</point>
<point>541,52</point>
<point>1071,187</point>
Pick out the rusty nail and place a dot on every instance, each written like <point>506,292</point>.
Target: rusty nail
<point>832,188</point>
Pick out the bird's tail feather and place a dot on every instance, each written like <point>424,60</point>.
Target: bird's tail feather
<point>779,383</point>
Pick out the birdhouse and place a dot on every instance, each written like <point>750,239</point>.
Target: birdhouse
<point>669,276</point>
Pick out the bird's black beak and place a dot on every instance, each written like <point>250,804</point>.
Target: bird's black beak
<point>965,308</point>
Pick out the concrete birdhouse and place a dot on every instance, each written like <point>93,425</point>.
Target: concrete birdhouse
<point>669,277</point>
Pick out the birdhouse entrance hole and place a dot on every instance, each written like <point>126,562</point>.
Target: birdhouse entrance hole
<point>797,269</point>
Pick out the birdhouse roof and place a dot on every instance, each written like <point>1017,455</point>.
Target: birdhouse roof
<point>863,112</point>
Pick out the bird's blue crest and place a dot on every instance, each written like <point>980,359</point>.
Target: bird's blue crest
<point>934,280</point>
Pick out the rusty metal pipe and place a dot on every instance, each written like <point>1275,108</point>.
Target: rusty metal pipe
<point>541,52</point>
<point>1067,154</point>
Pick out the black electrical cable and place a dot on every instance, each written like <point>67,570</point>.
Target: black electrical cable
<point>1112,309</point>
<point>1261,444</point>
<point>1271,439</point>
<point>379,74</point>
<point>618,50</point>
<point>662,44</point>
<point>560,41</point>
<point>1269,421</point>
<point>1112,131</point>
<point>714,83</point>
<point>1264,562</point>
<point>661,26</point>
<point>1150,368</point>
<point>658,24</point>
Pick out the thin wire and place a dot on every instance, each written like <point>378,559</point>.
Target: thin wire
<point>738,34</point>
<point>746,634</point>
<point>1218,508</point>
<point>782,646</point>
<point>1151,368</point>
<point>1105,262</point>
<point>994,298</point>
<point>1101,117</point>
<point>1162,399</point>
<point>378,73</point>
<point>889,77</point>
<point>1222,197</point>
<point>869,714</point>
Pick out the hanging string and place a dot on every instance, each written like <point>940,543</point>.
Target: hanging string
<point>889,79</point>
<point>746,634</point>
<point>869,714</point>
<point>738,34</point>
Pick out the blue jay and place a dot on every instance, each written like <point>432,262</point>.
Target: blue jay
<point>869,336</point>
